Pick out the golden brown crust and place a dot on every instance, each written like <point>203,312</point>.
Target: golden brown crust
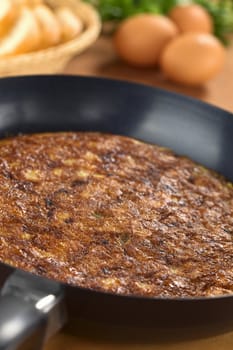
<point>115,214</point>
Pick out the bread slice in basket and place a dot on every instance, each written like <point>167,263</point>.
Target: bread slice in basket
<point>24,35</point>
<point>71,25</point>
<point>49,25</point>
<point>7,15</point>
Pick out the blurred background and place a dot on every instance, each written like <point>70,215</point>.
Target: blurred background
<point>180,45</point>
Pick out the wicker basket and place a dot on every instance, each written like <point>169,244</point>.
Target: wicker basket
<point>54,59</point>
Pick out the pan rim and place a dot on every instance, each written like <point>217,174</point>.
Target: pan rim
<point>117,81</point>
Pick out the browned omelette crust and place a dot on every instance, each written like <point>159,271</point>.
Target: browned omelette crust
<point>115,214</point>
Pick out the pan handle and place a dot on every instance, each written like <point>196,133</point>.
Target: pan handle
<point>31,310</point>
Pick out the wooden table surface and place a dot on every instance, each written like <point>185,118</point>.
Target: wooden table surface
<point>100,60</point>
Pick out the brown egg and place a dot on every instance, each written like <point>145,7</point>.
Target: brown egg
<point>192,18</point>
<point>140,39</point>
<point>193,58</point>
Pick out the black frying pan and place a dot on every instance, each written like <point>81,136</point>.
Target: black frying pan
<point>32,306</point>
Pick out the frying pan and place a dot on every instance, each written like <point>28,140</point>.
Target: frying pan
<point>31,307</point>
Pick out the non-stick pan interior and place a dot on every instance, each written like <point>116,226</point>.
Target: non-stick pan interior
<point>54,103</point>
